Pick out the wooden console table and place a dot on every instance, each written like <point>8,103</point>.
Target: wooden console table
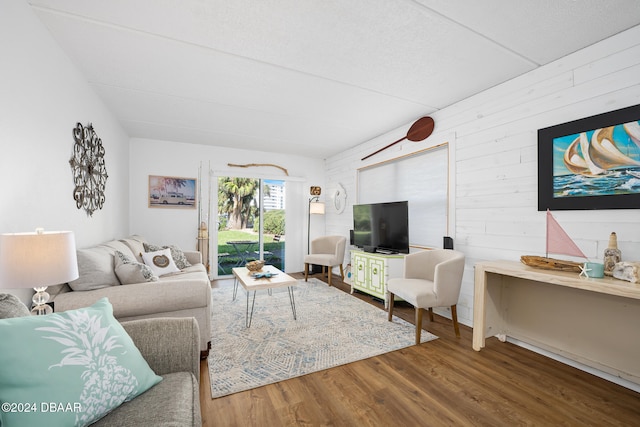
<point>593,321</point>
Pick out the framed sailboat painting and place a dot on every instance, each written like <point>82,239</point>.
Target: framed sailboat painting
<point>591,163</point>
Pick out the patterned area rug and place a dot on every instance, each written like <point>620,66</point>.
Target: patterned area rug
<point>333,328</point>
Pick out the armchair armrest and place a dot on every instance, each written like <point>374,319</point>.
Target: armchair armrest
<point>194,257</point>
<point>449,271</point>
<point>167,344</point>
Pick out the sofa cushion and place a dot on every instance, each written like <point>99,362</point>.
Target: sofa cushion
<point>117,245</point>
<point>130,271</point>
<point>176,253</point>
<point>173,402</point>
<point>160,262</point>
<point>81,359</point>
<point>11,306</point>
<point>199,268</point>
<point>136,244</point>
<point>56,290</point>
<point>145,299</point>
<point>95,268</point>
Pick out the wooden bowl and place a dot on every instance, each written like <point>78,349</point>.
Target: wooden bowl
<point>255,265</point>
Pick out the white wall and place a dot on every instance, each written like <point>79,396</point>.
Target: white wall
<point>493,143</point>
<point>180,227</point>
<point>42,97</point>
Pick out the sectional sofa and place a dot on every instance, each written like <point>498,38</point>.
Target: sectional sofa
<point>116,270</point>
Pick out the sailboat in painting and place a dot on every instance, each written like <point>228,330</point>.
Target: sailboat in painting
<point>599,162</point>
<point>600,154</point>
<point>558,242</point>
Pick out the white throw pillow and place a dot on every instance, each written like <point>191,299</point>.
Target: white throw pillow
<point>176,253</point>
<point>160,262</point>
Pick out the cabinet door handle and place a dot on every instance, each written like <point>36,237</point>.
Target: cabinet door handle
<point>360,267</point>
<point>375,271</point>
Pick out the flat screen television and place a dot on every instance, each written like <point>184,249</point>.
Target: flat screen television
<point>382,227</point>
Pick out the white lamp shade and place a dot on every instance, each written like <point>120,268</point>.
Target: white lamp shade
<point>316,208</point>
<point>37,259</point>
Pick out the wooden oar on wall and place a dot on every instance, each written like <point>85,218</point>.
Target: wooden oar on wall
<point>418,131</point>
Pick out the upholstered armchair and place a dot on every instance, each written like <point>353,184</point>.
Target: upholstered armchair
<point>431,278</point>
<point>327,251</point>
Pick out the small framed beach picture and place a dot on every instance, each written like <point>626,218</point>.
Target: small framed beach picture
<point>172,192</point>
<point>591,163</point>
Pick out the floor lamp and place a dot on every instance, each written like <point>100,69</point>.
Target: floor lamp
<point>316,207</point>
<point>37,260</point>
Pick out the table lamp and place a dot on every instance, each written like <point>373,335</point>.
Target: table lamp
<point>37,260</point>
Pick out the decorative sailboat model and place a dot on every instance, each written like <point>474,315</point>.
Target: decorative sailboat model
<point>558,242</point>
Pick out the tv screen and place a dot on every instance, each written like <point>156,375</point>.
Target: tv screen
<point>382,227</point>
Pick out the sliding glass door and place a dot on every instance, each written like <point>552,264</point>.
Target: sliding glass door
<point>250,223</point>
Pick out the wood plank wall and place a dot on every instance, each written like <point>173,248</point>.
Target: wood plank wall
<point>493,159</point>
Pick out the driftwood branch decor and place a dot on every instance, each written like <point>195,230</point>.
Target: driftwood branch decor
<point>259,164</point>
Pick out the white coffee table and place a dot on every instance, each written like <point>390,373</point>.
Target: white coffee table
<point>249,283</point>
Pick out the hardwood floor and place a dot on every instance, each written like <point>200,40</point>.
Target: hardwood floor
<point>440,383</point>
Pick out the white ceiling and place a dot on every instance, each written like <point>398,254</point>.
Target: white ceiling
<point>310,77</point>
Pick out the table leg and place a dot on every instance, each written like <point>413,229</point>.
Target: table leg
<point>241,256</point>
<point>235,288</point>
<point>479,308</point>
<point>243,253</point>
<point>248,317</point>
<point>293,302</point>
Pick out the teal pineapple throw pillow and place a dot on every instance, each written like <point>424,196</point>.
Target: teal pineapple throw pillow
<point>69,368</point>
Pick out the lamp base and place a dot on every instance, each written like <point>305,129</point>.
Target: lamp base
<point>42,309</point>
<point>40,306</point>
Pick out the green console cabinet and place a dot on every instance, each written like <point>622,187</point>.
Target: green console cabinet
<point>370,272</point>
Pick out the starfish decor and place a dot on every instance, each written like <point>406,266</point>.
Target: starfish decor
<point>584,270</point>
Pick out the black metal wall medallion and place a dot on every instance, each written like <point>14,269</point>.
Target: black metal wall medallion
<point>89,171</point>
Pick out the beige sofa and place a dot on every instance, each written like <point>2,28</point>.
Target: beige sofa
<point>186,293</point>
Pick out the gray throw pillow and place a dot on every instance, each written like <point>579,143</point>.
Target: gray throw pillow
<point>11,306</point>
<point>96,268</point>
<point>176,253</point>
<point>130,271</point>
